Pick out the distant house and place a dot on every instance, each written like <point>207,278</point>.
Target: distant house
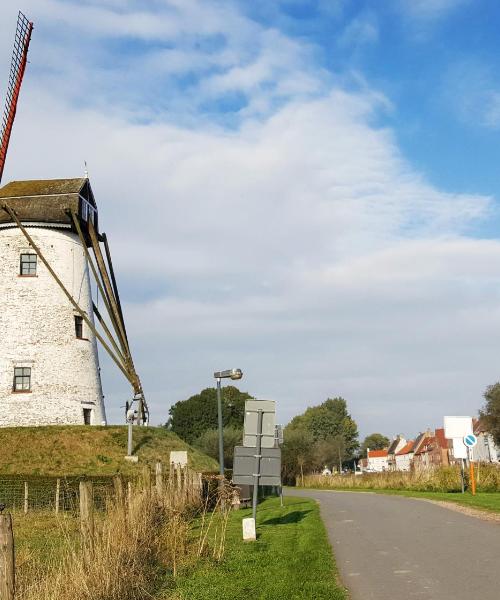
<point>417,447</point>
<point>397,443</point>
<point>433,451</point>
<point>441,457</point>
<point>377,460</point>
<point>485,450</point>
<point>405,456</point>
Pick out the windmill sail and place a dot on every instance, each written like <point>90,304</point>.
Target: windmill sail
<point>18,65</point>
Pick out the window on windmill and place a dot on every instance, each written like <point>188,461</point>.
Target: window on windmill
<point>28,264</point>
<point>87,416</point>
<point>79,327</point>
<point>22,379</point>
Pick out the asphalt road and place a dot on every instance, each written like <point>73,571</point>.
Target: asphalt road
<point>391,547</point>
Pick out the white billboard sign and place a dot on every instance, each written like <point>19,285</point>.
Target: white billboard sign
<point>459,448</point>
<point>457,427</point>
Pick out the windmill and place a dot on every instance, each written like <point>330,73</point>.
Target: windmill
<point>18,66</point>
<point>50,242</point>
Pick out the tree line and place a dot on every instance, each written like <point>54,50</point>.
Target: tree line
<point>323,435</point>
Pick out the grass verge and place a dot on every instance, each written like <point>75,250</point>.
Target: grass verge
<point>488,501</point>
<point>290,559</point>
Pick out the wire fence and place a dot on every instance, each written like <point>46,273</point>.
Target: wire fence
<point>51,493</point>
<point>23,493</point>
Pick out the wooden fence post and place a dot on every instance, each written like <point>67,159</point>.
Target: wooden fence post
<point>146,479</point>
<point>171,475</point>
<point>25,497</point>
<point>119,493</point>
<point>7,562</point>
<point>178,473</point>
<point>129,497</point>
<point>86,512</point>
<point>159,479</point>
<point>58,492</point>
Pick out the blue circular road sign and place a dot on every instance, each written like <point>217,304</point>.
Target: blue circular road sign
<point>470,440</point>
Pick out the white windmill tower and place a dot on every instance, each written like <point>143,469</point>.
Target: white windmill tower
<point>49,367</point>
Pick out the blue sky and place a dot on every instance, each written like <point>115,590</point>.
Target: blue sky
<point>305,190</point>
<point>424,62</point>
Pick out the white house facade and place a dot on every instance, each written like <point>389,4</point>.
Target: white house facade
<point>377,460</point>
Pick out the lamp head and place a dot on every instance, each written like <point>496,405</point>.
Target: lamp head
<point>233,374</point>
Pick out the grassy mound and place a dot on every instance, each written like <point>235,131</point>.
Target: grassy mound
<point>80,450</point>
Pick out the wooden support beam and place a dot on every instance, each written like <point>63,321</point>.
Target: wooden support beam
<point>101,265</point>
<point>123,350</point>
<point>108,332</point>
<point>113,279</point>
<point>75,305</point>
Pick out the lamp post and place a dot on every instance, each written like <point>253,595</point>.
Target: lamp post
<point>231,374</point>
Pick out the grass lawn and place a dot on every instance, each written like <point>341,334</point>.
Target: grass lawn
<point>291,559</point>
<point>41,539</point>
<point>489,501</point>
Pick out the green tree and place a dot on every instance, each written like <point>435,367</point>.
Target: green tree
<point>329,452</point>
<point>208,443</point>
<point>374,441</point>
<point>327,421</point>
<point>491,411</point>
<point>190,418</point>
<point>297,454</point>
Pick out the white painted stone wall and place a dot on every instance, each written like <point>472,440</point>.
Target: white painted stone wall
<point>378,463</point>
<point>403,461</point>
<point>37,330</point>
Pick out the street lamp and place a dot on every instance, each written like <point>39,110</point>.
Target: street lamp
<point>233,374</point>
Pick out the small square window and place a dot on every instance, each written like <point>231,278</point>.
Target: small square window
<point>28,264</point>
<point>79,327</point>
<point>22,379</point>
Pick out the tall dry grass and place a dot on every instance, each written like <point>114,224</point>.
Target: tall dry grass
<point>138,545</point>
<point>443,479</point>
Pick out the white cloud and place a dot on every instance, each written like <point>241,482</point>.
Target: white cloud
<point>472,89</point>
<point>431,9</point>
<point>300,246</point>
<point>360,31</point>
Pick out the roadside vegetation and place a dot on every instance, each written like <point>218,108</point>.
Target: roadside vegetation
<point>443,479</point>
<point>130,551</point>
<point>290,559</point>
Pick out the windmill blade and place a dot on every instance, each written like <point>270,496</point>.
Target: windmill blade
<point>18,66</point>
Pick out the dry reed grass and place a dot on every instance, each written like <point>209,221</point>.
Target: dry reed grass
<point>141,541</point>
<point>443,479</point>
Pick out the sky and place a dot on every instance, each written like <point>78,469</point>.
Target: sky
<point>306,190</point>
